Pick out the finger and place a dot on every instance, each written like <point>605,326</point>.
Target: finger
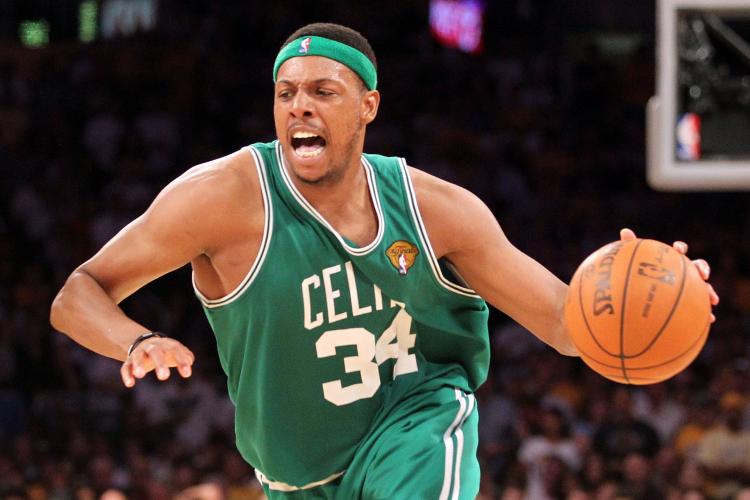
<point>627,234</point>
<point>184,359</point>
<point>703,268</point>
<point>160,362</point>
<point>127,374</point>
<point>185,371</point>
<point>713,318</point>
<point>141,365</point>
<point>178,356</point>
<point>183,355</point>
<point>713,295</point>
<point>680,246</point>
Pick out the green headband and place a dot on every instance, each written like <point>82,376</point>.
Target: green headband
<point>319,46</point>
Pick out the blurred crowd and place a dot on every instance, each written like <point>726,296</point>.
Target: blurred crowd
<point>546,127</point>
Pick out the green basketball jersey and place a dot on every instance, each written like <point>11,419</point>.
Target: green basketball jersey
<point>322,338</point>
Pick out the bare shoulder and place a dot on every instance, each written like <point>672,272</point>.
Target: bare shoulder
<point>452,215</point>
<point>218,202</point>
<point>219,182</point>
<point>436,194</point>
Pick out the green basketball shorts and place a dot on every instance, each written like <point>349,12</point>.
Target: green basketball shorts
<point>425,448</point>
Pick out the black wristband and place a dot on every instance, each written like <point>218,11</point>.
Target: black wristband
<point>143,337</point>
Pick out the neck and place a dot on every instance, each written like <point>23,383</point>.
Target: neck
<point>344,202</point>
<point>337,191</point>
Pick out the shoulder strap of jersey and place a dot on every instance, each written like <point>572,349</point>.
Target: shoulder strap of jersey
<point>260,165</point>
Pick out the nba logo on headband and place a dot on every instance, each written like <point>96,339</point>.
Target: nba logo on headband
<point>304,45</point>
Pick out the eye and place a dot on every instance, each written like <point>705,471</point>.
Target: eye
<point>284,94</point>
<point>324,92</point>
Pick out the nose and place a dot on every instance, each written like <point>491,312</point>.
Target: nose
<point>301,105</point>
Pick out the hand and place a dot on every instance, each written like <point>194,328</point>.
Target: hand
<point>159,354</point>
<point>703,268</point>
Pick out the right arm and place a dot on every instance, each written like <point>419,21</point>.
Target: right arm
<point>188,219</point>
<point>86,308</point>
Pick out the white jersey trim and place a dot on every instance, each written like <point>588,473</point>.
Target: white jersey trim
<point>279,486</point>
<point>431,258</point>
<point>374,197</point>
<point>264,244</point>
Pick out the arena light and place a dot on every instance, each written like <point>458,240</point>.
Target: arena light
<point>127,17</point>
<point>88,11</point>
<point>458,23</point>
<point>34,34</point>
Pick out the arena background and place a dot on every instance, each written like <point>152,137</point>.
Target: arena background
<point>546,124</point>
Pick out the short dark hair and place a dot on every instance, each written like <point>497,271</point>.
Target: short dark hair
<point>339,33</point>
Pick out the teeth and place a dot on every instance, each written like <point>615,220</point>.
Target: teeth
<point>309,154</point>
<point>304,135</point>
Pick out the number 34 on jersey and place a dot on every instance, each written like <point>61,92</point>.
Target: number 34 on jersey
<point>394,343</point>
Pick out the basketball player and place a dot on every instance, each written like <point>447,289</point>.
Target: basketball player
<point>346,292</point>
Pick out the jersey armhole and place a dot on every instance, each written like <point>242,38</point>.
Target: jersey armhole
<point>419,223</point>
<point>264,244</point>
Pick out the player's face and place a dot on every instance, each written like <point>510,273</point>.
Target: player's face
<point>321,109</point>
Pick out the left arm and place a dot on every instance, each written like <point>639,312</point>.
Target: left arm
<point>462,229</point>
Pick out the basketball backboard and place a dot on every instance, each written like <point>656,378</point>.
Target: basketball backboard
<point>698,124</point>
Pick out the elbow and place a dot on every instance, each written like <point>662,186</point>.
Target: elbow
<point>63,302</point>
<point>56,310</point>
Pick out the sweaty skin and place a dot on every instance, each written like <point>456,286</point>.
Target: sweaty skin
<point>212,217</point>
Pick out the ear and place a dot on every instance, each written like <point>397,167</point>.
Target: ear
<point>370,104</point>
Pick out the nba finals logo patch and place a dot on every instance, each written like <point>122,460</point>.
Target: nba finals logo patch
<point>402,255</point>
<point>304,45</point>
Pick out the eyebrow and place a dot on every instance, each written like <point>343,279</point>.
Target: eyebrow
<point>318,81</point>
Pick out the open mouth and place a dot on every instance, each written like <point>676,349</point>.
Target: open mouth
<point>307,144</point>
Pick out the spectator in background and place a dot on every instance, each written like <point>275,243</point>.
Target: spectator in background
<point>498,436</point>
<point>185,409</point>
<point>548,455</point>
<point>637,479</point>
<point>113,494</point>
<point>691,478</point>
<point>557,480</point>
<point>205,491</point>
<point>700,419</point>
<point>724,452</point>
<point>593,473</point>
<point>693,495</point>
<point>623,434</point>
<point>658,408</point>
<point>240,482</point>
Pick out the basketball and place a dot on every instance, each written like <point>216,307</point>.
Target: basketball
<point>638,311</point>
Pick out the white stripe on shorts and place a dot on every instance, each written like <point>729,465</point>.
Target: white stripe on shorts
<point>460,449</point>
<point>451,470</point>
